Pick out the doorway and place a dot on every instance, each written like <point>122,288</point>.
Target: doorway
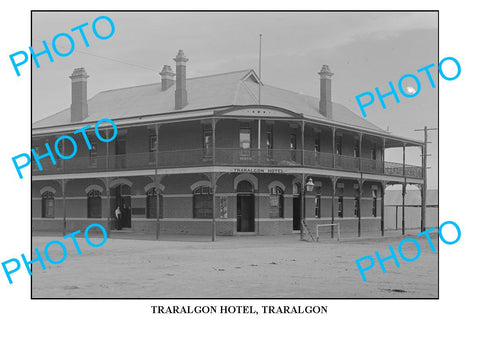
<point>245,207</point>
<point>245,213</point>
<point>120,151</point>
<point>297,213</point>
<point>121,203</point>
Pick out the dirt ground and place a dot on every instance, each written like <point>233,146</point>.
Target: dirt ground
<point>234,267</point>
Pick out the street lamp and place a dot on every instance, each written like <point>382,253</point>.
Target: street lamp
<point>310,185</point>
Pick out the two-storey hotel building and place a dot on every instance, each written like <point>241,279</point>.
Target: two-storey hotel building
<point>222,154</point>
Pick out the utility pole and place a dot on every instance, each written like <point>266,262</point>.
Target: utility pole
<point>424,170</point>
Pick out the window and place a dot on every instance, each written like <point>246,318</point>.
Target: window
<point>340,206</point>
<point>61,148</point>
<point>374,152</point>
<point>293,142</point>
<point>152,196</point>
<point>36,149</point>
<point>245,142</point>
<point>374,203</point>
<point>48,205</point>
<point>270,143</point>
<point>317,142</point>
<point>93,154</point>
<point>318,205</point>
<point>356,206</point>
<point>293,147</point>
<point>152,147</point>
<point>153,144</point>
<point>276,203</point>
<point>120,151</point>
<point>338,145</point>
<point>356,149</point>
<point>297,189</point>
<point>207,142</point>
<point>244,186</point>
<point>94,204</point>
<point>202,202</point>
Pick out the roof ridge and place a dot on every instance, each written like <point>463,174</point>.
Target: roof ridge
<point>221,74</point>
<point>159,83</point>
<point>291,91</point>
<point>125,88</point>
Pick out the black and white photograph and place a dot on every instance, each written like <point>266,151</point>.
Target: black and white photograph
<point>238,170</point>
<point>238,160</point>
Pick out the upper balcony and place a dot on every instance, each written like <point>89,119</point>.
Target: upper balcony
<point>226,157</point>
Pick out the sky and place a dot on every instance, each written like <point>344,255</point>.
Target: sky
<point>363,49</point>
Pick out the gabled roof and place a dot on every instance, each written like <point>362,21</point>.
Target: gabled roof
<point>219,90</point>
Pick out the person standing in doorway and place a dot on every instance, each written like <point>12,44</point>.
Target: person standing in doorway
<point>118,216</point>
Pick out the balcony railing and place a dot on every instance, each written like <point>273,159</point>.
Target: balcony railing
<point>347,162</point>
<point>225,157</point>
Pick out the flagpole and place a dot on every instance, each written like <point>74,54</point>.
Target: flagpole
<point>260,71</point>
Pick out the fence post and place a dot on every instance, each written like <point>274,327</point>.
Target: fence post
<point>396,217</point>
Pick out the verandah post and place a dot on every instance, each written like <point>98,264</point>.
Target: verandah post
<point>157,184</point>
<point>214,183</point>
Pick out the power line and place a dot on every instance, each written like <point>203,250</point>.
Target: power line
<point>107,58</point>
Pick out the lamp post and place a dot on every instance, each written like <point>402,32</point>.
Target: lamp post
<point>306,187</point>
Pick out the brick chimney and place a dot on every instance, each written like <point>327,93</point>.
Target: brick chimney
<point>167,77</point>
<point>181,81</point>
<point>326,91</point>
<point>79,107</point>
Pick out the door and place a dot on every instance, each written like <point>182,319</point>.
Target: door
<point>121,204</point>
<point>245,213</point>
<point>297,214</point>
<point>245,142</point>
<point>126,209</point>
<point>293,147</point>
<point>120,151</point>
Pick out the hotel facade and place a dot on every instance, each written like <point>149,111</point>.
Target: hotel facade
<point>222,154</point>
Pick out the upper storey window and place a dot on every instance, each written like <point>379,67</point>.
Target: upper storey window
<point>207,142</point>
<point>374,152</point>
<point>93,155</point>
<point>153,144</point>
<point>338,145</point>
<point>356,149</point>
<point>270,143</point>
<point>245,141</point>
<point>152,147</point>
<point>317,142</point>
<point>293,147</point>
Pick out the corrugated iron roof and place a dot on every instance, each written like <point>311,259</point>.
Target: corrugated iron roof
<point>219,90</point>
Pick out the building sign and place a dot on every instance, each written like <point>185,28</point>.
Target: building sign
<point>259,112</point>
<point>260,170</point>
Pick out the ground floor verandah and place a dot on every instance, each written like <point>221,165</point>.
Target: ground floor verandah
<point>203,203</point>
